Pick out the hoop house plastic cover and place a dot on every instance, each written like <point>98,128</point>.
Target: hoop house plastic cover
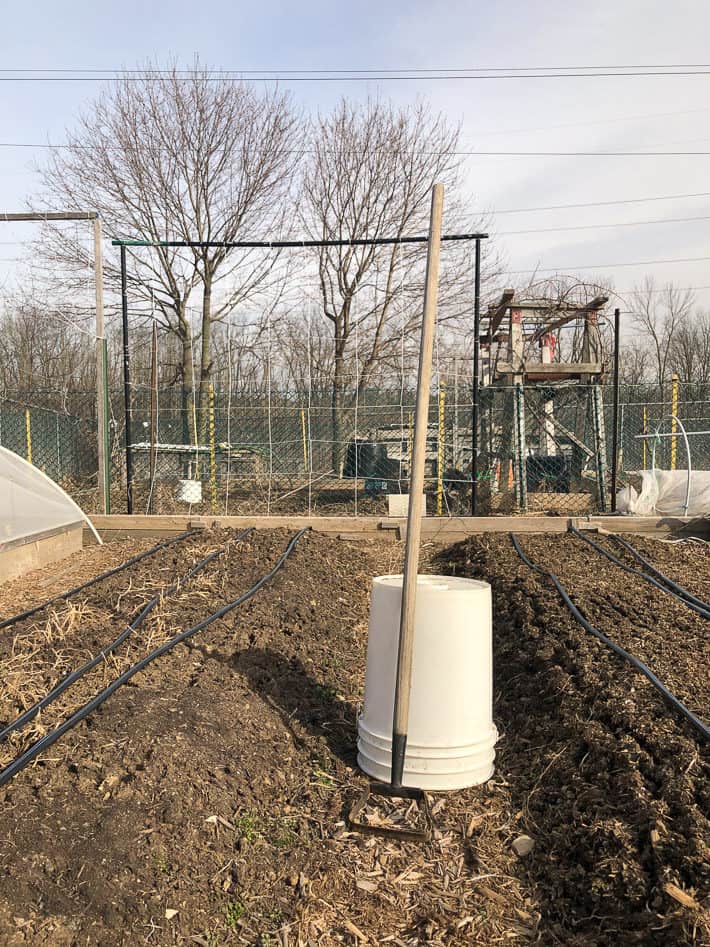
<point>664,492</point>
<point>30,502</point>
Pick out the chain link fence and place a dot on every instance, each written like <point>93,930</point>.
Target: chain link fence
<point>541,449</point>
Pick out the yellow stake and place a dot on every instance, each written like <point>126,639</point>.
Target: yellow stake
<point>674,425</point>
<point>411,444</point>
<point>28,435</point>
<point>213,460</point>
<point>440,457</point>
<point>305,442</point>
<point>645,431</point>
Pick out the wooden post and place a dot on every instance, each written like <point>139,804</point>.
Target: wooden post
<point>600,444</point>
<point>521,461</point>
<point>416,486</point>
<point>104,467</point>
<point>547,433</point>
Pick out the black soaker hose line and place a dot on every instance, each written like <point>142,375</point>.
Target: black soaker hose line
<point>74,676</point>
<point>50,738</point>
<point>700,607</point>
<point>678,589</point>
<point>694,721</point>
<point>28,613</point>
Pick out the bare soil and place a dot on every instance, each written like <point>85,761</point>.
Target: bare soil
<point>205,802</point>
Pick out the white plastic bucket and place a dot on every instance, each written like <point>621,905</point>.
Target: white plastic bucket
<point>398,504</point>
<point>189,491</point>
<point>451,736</point>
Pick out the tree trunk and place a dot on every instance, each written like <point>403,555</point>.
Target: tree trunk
<point>187,406</point>
<point>337,450</point>
<point>205,360</point>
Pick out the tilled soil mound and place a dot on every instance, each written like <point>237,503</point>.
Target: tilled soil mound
<point>205,802</point>
<point>613,786</point>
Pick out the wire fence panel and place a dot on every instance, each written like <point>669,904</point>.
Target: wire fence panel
<point>541,449</point>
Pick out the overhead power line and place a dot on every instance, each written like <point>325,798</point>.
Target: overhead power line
<point>662,289</point>
<point>247,70</point>
<point>357,75</point>
<point>630,200</point>
<point>607,266</point>
<point>456,152</point>
<point>630,223</point>
<point>508,233</point>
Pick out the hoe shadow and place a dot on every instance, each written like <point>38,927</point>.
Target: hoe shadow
<point>301,701</point>
<point>299,698</point>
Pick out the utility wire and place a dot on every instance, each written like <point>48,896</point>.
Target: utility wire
<point>631,200</point>
<point>505,233</point>
<point>533,72</point>
<point>630,223</point>
<point>608,266</point>
<point>156,70</point>
<point>429,153</point>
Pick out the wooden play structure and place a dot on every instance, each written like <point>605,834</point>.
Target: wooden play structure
<point>522,352</point>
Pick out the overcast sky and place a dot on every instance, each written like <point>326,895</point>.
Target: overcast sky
<point>563,114</point>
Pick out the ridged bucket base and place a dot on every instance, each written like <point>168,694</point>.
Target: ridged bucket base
<point>431,768</point>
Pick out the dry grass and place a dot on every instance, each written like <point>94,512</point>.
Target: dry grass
<point>43,650</point>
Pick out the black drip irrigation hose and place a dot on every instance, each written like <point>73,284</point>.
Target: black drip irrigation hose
<point>697,606</point>
<point>50,738</point>
<point>74,676</point>
<point>678,589</point>
<point>28,613</point>
<point>694,721</point>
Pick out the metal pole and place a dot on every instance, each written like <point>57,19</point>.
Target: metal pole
<point>615,422</point>
<point>296,244</point>
<point>104,471</point>
<point>476,373</point>
<point>153,412</point>
<point>405,653</point>
<point>126,384</point>
<point>213,456</point>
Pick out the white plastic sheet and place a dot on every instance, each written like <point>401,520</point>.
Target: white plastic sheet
<point>30,502</point>
<point>663,492</point>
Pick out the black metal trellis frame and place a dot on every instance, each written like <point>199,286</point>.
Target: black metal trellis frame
<point>294,245</point>
<point>615,422</point>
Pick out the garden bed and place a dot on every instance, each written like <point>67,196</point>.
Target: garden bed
<point>205,802</point>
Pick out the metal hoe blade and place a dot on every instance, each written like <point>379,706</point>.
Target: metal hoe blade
<point>392,792</point>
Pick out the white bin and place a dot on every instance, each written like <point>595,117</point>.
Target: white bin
<point>451,735</point>
<point>189,491</point>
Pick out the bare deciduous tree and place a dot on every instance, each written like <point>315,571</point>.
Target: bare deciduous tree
<point>185,157</point>
<point>635,361</point>
<point>659,315</point>
<point>370,174</point>
<point>690,349</point>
